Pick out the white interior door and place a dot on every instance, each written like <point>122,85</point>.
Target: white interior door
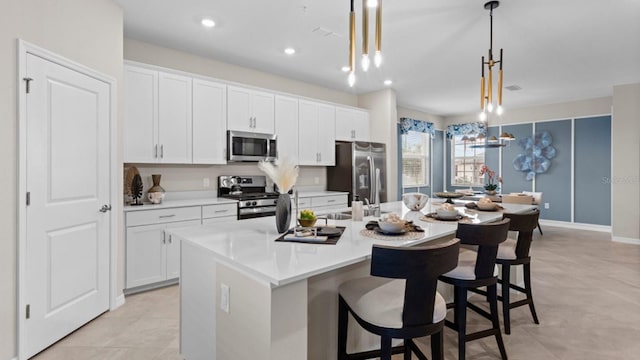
<point>68,178</point>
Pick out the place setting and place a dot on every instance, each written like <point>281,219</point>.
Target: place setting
<point>447,213</point>
<point>484,204</point>
<point>392,227</point>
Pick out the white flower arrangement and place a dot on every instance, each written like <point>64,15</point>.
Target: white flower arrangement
<point>284,173</point>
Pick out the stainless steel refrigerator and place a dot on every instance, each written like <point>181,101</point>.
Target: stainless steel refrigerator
<point>355,170</point>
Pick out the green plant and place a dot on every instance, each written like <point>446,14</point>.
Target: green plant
<point>307,214</point>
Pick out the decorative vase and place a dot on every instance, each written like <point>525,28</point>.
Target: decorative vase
<point>283,213</point>
<point>156,192</point>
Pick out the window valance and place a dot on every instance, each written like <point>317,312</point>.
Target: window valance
<point>474,129</point>
<point>407,125</point>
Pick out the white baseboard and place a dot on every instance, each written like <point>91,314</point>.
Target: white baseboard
<point>572,225</point>
<point>625,240</point>
<point>119,302</point>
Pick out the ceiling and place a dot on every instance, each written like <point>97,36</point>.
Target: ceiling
<point>556,51</point>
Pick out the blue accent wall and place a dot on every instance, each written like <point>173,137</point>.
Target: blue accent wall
<point>555,184</point>
<point>492,155</point>
<point>514,180</point>
<point>399,160</point>
<point>592,176</point>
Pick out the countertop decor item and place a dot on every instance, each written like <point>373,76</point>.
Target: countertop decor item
<point>284,175</point>
<point>448,196</point>
<point>136,190</point>
<point>490,187</point>
<point>415,201</point>
<point>156,192</point>
<point>129,173</point>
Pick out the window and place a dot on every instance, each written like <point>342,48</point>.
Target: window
<point>415,159</point>
<point>466,161</point>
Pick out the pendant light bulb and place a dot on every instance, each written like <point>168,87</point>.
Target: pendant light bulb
<point>377,59</point>
<point>490,107</point>
<point>372,3</point>
<point>483,116</point>
<point>352,78</point>
<point>365,62</point>
<point>499,110</point>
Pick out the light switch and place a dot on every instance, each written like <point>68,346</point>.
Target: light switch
<point>546,205</point>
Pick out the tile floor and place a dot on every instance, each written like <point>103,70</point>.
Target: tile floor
<point>586,290</point>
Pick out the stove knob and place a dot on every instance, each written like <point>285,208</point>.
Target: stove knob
<point>248,203</point>
<point>254,203</point>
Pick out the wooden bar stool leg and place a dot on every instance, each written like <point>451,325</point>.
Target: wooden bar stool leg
<point>527,286</point>
<point>506,281</point>
<point>437,346</point>
<point>460,315</point>
<point>343,317</point>
<point>493,305</point>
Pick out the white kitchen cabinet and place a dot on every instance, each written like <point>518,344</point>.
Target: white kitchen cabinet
<point>219,213</point>
<point>352,124</point>
<point>286,111</point>
<point>151,255</point>
<point>322,202</point>
<point>209,122</point>
<point>250,110</point>
<point>316,133</point>
<point>157,116</point>
<point>174,118</point>
<point>140,134</point>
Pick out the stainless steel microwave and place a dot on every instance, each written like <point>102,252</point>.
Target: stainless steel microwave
<point>249,146</point>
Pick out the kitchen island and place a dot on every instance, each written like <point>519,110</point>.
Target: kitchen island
<point>245,296</point>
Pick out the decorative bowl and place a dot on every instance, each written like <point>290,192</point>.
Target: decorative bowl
<point>392,226</point>
<point>486,205</point>
<point>155,197</point>
<point>415,201</point>
<point>447,214</point>
<point>307,222</point>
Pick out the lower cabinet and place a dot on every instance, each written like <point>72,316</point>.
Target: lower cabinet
<point>322,202</point>
<point>153,256</point>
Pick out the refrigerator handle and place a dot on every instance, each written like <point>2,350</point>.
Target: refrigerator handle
<point>371,181</point>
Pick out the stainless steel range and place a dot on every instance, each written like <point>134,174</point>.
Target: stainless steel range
<point>250,191</point>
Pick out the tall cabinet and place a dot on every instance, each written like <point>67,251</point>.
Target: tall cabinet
<point>286,111</point>
<point>316,133</point>
<point>209,122</point>
<point>250,110</point>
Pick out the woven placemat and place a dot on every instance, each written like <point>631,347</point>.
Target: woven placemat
<point>430,218</point>
<point>410,235</point>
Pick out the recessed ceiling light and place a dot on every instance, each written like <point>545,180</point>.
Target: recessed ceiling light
<point>388,82</point>
<point>206,22</point>
<point>346,68</point>
<point>289,51</point>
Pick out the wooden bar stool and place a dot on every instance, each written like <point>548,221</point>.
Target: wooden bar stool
<point>516,252</point>
<point>399,300</point>
<point>476,269</point>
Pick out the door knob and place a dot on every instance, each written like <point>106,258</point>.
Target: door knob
<point>105,208</point>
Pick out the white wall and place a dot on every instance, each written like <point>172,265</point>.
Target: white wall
<point>625,179</point>
<point>383,127</point>
<point>88,32</point>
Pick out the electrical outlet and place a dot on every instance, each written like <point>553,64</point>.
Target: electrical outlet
<point>205,182</point>
<point>224,297</point>
<point>546,205</point>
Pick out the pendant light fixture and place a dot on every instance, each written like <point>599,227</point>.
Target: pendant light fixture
<point>365,60</point>
<point>486,87</point>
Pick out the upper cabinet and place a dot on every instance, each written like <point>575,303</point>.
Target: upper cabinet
<point>316,133</point>
<point>209,122</point>
<point>171,118</point>
<point>250,110</point>
<point>352,124</point>
<point>287,127</point>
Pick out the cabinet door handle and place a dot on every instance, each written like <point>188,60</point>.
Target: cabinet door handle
<point>166,216</point>
<point>331,200</point>
<point>169,239</point>
<point>320,156</point>
<point>155,151</point>
<point>221,211</point>
<point>161,151</point>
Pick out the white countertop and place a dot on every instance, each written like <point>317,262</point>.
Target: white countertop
<point>249,246</point>
<point>211,200</point>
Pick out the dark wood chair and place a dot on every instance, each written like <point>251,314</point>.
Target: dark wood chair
<point>514,252</point>
<point>476,269</point>
<point>399,300</point>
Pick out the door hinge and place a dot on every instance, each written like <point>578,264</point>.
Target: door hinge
<point>28,198</point>
<point>28,311</point>
<point>28,80</point>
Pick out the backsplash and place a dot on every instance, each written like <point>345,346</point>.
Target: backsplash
<point>192,177</point>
